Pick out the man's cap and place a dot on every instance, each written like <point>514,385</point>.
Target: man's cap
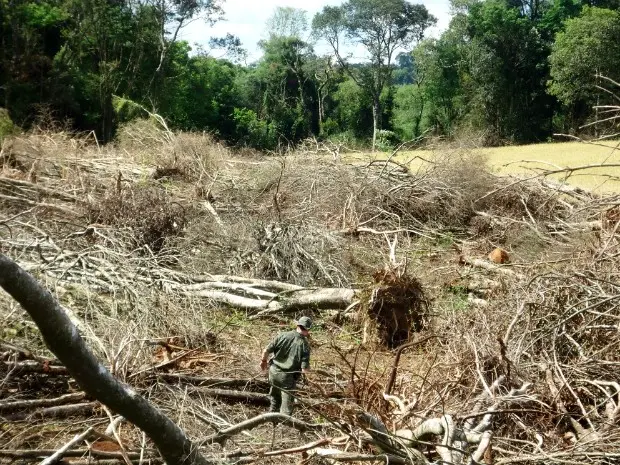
<point>305,322</point>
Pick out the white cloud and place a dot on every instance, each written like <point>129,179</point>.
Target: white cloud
<point>246,19</point>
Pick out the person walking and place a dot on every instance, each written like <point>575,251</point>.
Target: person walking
<point>291,358</point>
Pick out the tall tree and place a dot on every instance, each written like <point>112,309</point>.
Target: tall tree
<point>287,87</point>
<point>97,51</point>
<point>30,36</point>
<point>173,15</point>
<point>382,27</point>
<point>589,46</point>
<point>287,21</point>
<point>507,66</point>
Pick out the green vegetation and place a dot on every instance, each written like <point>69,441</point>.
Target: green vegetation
<point>6,125</point>
<point>505,71</point>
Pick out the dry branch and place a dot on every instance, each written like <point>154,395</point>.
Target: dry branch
<point>63,450</point>
<point>339,456</point>
<point>35,403</point>
<point>479,263</point>
<point>205,381</point>
<point>251,423</point>
<point>25,353</point>
<point>85,408</point>
<point>32,366</point>
<point>38,453</point>
<point>237,396</point>
<point>298,449</point>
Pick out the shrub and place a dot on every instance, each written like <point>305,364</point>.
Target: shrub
<point>386,140</point>
<point>189,155</point>
<point>7,127</point>
<point>254,132</point>
<point>141,133</point>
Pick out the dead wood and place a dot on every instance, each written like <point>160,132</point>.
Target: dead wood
<point>254,398</point>
<point>392,377</point>
<point>396,308</point>
<point>339,456</point>
<point>35,403</point>
<point>147,459</point>
<point>296,450</point>
<point>322,298</point>
<point>479,263</point>
<point>275,418</point>
<point>28,188</point>
<point>26,354</point>
<point>56,456</point>
<point>39,453</point>
<point>85,408</point>
<point>277,286</point>
<point>62,338</point>
<point>205,381</point>
<point>570,323</point>
<point>33,366</point>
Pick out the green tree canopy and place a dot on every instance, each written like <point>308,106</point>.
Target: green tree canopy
<point>589,45</point>
<point>382,27</point>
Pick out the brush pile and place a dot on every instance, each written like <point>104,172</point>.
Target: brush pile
<point>177,261</point>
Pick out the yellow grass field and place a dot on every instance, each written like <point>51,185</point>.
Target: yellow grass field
<point>530,159</point>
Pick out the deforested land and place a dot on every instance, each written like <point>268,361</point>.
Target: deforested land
<point>461,315</point>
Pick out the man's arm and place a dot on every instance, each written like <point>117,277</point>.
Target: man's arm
<point>305,360</point>
<point>271,348</point>
<point>263,362</point>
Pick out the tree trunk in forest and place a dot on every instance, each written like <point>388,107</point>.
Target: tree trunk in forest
<point>62,337</point>
<point>376,109</point>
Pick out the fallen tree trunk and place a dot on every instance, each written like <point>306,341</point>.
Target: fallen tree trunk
<point>479,263</point>
<point>287,301</point>
<point>62,337</point>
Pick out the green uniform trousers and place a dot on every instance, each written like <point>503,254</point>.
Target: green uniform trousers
<point>281,382</point>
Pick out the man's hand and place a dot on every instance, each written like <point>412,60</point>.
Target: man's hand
<point>263,364</point>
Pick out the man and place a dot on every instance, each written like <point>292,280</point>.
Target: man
<point>291,358</point>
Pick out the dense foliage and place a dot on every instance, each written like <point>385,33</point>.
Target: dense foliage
<point>511,70</point>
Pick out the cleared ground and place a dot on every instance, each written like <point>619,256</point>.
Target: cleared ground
<point>536,158</point>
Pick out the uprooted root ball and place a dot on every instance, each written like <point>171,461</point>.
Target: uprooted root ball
<point>396,308</point>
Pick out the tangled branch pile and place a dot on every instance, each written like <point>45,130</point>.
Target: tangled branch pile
<point>166,255</point>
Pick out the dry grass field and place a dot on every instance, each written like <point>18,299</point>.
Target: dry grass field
<point>535,159</point>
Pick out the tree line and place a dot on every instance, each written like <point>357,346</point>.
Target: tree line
<point>515,71</point>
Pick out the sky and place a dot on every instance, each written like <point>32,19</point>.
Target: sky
<point>247,18</point>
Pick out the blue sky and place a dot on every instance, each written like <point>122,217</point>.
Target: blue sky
<point>246,19</point>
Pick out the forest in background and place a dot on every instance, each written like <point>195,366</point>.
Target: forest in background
<point>507,71</point>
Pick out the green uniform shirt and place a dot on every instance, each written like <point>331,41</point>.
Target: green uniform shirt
<point>291,351</point>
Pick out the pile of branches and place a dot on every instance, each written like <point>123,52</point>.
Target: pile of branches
<point>527,378</point>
